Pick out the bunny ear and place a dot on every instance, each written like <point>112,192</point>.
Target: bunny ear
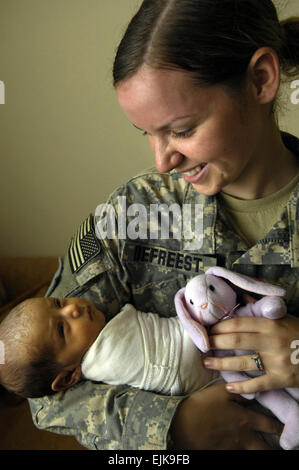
<point>247,283</point>
<point>196,331</point>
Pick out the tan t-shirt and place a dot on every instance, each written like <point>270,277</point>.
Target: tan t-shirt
<point>252,219</point>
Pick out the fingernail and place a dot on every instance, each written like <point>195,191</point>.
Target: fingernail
<point>229,387</point>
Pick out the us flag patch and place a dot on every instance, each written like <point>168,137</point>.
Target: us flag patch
<point>84,245</point>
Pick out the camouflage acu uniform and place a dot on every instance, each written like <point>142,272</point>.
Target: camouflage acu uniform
<point>147,273</point>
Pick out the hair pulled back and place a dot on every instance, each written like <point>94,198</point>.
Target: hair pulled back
<point>212,39</point>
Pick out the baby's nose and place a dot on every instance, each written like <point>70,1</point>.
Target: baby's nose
<point>72,310</point>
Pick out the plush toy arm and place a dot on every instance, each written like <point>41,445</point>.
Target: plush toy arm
<point>271,307</point>
<point>286,409</point>
<point>196,331</point>
<point>294,392</point>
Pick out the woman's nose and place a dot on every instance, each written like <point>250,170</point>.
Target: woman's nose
<point>166,157</point>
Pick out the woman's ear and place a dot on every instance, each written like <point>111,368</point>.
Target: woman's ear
<point>264,73</point>
<point>66,378</point>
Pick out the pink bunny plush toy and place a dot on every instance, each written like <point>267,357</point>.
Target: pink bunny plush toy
<point>207,299</point>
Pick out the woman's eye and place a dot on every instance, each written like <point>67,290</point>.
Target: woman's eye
<point>181,134</point>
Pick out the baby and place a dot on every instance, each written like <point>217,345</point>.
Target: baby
<point>50,344</point>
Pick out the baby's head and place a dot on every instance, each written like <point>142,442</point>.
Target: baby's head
<point>44,342</point>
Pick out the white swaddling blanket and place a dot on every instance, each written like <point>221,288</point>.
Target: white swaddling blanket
<point>146,351</point>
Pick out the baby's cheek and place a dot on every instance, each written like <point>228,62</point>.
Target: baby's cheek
<point>91,333</point>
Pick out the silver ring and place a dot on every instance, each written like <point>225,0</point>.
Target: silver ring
<point>258,362</point>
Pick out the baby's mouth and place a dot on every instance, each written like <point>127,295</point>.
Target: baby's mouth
<point>89,311</point>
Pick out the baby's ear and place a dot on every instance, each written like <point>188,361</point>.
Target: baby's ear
<point>66,378</point>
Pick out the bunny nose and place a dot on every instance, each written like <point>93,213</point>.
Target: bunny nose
<point>204,306</point>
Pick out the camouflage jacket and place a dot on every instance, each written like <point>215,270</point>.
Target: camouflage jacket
<point>147,272</point>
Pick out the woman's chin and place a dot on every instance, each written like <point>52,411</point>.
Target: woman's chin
<point>211,190</point>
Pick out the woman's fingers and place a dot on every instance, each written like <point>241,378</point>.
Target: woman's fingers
<point>214,419</point>
<point>248,387</point>
<point>257,443</point>
<point>266,424</point>
<point>242,324</point>
<point>241,341</point>
<point>238,364</point>
<point>242,363</point>
<point>273,340</point>
<point>252,423</point>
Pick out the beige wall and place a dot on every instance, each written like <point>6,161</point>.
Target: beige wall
<point>64,142</point>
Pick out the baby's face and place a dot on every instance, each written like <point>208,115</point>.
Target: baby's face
<point>68,325</point>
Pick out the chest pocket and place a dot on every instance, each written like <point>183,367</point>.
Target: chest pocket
<point>156,274</point>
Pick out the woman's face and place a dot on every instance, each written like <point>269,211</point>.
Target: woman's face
<point>203,133</point>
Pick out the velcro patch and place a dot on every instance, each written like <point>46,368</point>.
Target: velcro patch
<point>84,245</point>
<point>169,259</point>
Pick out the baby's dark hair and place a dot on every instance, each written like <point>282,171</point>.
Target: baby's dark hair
<point>27,371</point>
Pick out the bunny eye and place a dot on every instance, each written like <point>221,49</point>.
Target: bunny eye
<point>212,288</point>
<point>191,301</point>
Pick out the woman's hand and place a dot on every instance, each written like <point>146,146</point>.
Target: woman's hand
<point>214,419</point>
<point>272,339</point>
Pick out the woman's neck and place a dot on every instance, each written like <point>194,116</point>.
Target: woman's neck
<point>271,168</point>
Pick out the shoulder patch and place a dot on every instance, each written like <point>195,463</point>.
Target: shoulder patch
<point>84,245</point>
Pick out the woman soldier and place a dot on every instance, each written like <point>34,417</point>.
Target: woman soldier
<point>200,78</point>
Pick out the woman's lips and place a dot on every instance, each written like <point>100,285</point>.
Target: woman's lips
<point>196,174</point>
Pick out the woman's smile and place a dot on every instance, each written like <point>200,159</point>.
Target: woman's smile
<point>196,175</point>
